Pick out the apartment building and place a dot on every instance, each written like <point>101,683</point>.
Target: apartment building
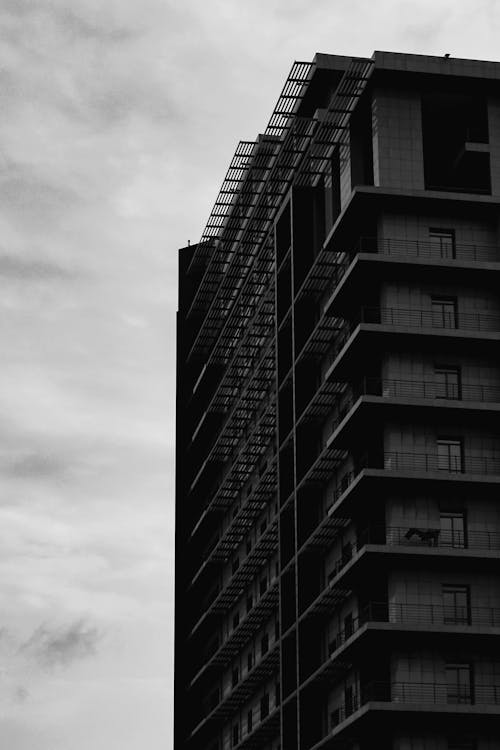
<point>338,439</point>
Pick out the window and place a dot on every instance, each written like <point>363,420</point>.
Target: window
<point>447,382</point>
<point>264,644</point>
<point>249,721</point>
<point>348,625</point>
<point>249,602</point>
<point>236,620</point>
<point>235,565</point>
<point>444,312</point>
<point>450,455</point>
<point>277,694</point>
<point>459,683</point>
<point>349,700</point>
<point>453,529</point>
<point>277,630</point>
<point>347,550</point>
<point>249,545</point>
<point>235,676</point>
<point>456,604</point>
<point>249,660</point>
<point>442,242</point>
<point>235,735</point>
<point>263,585</point>
<point>264,706</point>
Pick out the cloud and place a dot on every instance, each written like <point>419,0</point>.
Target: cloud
<point>59,647</point>
<point>13,267</point>
<point>32,465</point>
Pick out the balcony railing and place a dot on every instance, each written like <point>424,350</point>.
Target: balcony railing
<point>429,389</point>
<point>431,536</point>
<point>430,614</point>
<point>418,463</point>
<point>428,318</point>
<point>432,462</point>
<point>429,250</point>
<point>404,613</point>
<point>418,389</point>
<point>416,536</point>
<point>434,693</point>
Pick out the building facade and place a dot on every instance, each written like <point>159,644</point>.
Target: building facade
<point>338,439</point>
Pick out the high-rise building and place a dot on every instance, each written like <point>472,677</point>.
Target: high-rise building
<point>338,470</point>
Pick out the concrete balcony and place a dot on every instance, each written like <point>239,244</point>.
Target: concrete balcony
<point>360,405</point>
<point>372,261</point>
<point>373,473</point>
<point>406,327</point>
<point>402,623</point>
<point>404,702</point>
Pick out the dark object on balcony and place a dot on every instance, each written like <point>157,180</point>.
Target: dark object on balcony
<point>425,535</point>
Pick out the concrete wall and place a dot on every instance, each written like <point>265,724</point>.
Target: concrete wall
<point>406,295</point>
<point>397,139</point>
<point>416,227</point>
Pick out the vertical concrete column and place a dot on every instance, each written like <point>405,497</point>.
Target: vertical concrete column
<point>494,137</point>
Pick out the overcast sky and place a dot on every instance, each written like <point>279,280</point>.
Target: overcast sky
<point>117,122</point>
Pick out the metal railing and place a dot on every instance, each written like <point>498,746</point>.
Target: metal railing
<point>429,389</point>
<point>420,463</point>
<point>429,318</point>
<point>444,250</point>
<point>431,692</point>
<point>404,613</point>
<point>426,535</point>
<point>416,536</point>
<point>423,389</point>
<point>432,462</point>
<point>435,693</point>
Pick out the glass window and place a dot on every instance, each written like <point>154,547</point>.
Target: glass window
<point>453,529</point>
<point>442,242</point>
<point>449,455</point>
<point>249,660</point>
<point>235,676</point>
<point>349,700</point>
<point>277,694</point>
<point>444,312</point>
<point>236,735</point>
<point>264,706</point>
<point>456,604</point>
<point>264,644</point>
<point>447,382</point>
<point>459,683</point>
<point>348,625</point>
<point>249,721</point>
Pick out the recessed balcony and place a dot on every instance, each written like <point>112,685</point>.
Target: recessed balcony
<point>457,401</point>
<point>405,621</point>
<point>372,261</point>
<point>403,700</point>
<point>403,467</point>
<point>443,327</point>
